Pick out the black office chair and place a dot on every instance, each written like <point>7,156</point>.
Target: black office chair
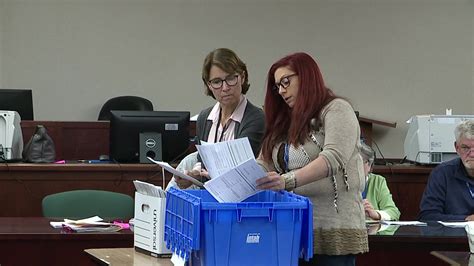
<point>125,103</point>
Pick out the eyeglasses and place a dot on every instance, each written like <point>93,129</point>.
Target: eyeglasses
<point>465,148</point>
<point>230,80</point>
<point>284,82</point>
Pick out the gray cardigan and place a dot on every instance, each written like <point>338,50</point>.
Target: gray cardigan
<point>341,230</point>
<point>252,126</point>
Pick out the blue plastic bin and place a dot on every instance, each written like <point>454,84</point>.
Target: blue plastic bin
<point>269,228</point>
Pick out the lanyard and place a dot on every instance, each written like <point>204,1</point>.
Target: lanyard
<point>364,193</point>
<point>217,128</point>
<point>470,190</point>
<point>286,157</point>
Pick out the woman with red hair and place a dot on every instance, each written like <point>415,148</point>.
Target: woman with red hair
<point>310,147</point>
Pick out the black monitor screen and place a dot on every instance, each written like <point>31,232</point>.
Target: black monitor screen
<point>128,128</point>
<point>17,100</point>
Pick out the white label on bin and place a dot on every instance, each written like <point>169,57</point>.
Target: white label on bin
<point>253,238</point>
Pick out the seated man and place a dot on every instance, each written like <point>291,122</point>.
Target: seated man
<point>378,202</point>
<point>449,194</point>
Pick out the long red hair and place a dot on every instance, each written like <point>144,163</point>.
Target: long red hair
<point>281,122</point>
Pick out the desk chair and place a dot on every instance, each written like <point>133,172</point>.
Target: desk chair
<point>124,103</point>
<point>87,203</point>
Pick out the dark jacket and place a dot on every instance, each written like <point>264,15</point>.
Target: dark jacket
<point>252,126</point>
<point>449,194</point>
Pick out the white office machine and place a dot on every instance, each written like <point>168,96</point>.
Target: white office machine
<point>11,138</point>
<point>430,138</point>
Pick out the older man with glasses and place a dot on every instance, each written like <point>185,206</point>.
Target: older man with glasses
<point>449,194</point>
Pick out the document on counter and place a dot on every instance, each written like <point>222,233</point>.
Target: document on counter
<point>403,223</point>
<point>455,224</point>
<point>232,168</point>
<point>92,224</point>
<point>175,172</point>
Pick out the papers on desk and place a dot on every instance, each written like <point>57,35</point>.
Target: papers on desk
<point>454,224</point>
<point>403,223</point>
<point>175,172</point>
<point>92,224</point>
<point>232,168</point>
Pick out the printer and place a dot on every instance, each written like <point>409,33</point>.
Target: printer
<point>11,137</point>
<point>430,138</point>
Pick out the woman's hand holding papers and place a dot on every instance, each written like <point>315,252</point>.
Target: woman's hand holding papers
<point>197,173</point>
<point>273,181</point>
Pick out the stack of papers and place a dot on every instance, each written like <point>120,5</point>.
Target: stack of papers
<point>232,168</point>
<point>92,224</point>
<point>175,172</point>
<point>149,189</point>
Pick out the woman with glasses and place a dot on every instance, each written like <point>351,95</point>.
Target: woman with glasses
<point>225,79</point>
<point>311,147</point>
<point>378,202</point>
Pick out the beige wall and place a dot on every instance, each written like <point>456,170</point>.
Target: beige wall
<point>392,59</point>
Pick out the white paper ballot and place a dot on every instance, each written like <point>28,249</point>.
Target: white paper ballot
<point>232,168</point>
<point>236,184</point>
<point>220,157</point>
<point>403,223</point>
<point>175,172</point>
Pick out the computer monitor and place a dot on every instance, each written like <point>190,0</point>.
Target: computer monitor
<point>162,135</point>
<point>20,100</point>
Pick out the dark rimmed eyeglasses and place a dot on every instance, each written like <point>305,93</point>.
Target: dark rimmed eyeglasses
<point>284,82</point>
<point>230,80</point>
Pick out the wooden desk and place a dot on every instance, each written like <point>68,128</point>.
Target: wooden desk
<point>86,140</point>
<point>23,186</point>
<point>125,257</point>
<point>79,140</point>
<point>411,245</point>
<point>32,241</point>
<point>73,140</point>
<point>455,258</point>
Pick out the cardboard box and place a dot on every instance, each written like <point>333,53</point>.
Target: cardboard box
<point>149,225</point>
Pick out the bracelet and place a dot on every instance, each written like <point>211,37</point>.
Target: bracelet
<point>290,180</point>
